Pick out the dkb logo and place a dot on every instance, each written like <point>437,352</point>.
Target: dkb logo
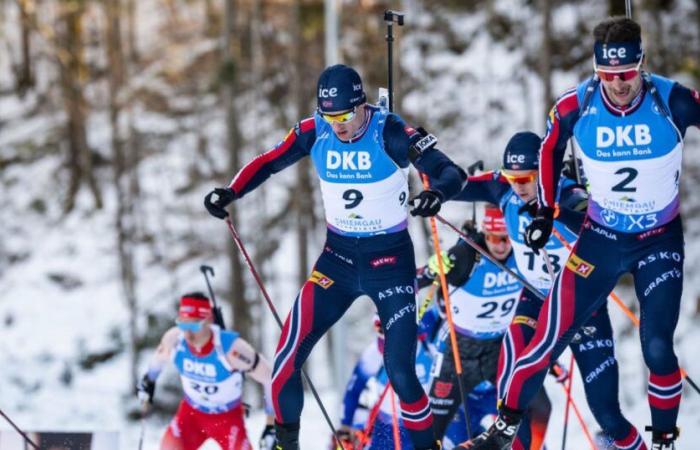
<point>622,136</point>
<point>348,160</point>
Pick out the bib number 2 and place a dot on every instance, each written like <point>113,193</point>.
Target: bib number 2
<point>630,175</point>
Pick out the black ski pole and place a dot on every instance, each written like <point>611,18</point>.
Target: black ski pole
<point>486,255</point>
<point>18,430</point>
<point>391,17</point>
<point>268,300</point>
<point>471,170</point>
<point>218,317</point>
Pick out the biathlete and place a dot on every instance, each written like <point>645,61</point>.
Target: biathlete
<point>483,299</point>
<point>212,364</point>
<point>514,189</point>
<point>361,154</point>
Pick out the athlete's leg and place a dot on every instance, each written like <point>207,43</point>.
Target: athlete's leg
<point>323,299</point>
<point>580,288</point>
<point>388,277</point>
<point>184,431</point>
<point>518,335</point>
<point>594,351</point>
<point>479,361</point>
<point>658,280</point>
<point>228,430</point>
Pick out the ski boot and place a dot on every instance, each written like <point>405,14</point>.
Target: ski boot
<point>286,436</point>
<point>500,435</point>
<point>663,440</point>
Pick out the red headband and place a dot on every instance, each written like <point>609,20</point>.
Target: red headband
<point>493,221</point>
<point>195,308</point>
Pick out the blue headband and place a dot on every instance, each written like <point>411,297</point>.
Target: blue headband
<point>617,53</point>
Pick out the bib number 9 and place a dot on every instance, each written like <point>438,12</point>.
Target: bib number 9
<point>353,196</point>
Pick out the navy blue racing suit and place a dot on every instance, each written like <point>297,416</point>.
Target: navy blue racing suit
<point>368,251</point>
<point>594,350</point>
<point>632,160</point>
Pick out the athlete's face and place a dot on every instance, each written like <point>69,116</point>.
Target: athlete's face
<point>621,83</point>
<point>498,245</point>
<point>345,130</point>
<point>196,331</point>
<point>523,183</point>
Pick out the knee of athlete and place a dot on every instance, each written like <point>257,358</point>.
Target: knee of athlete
<point>659,355</point>
<point>405,383</point>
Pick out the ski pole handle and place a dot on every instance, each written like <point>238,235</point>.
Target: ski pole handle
<point>218,316</point>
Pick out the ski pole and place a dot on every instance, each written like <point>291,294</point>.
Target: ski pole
<point>258,280</point>
<point>394,421</point>
<point>18,430</point>
<point>218,317</point>
<point>581,422</point>
<point>391,17</point>
<point>486,255</point>
<point>569,382</point>
<point>627,311</point>
<point>448,312</point>
<point>144,410</point>
<point>548,265</point>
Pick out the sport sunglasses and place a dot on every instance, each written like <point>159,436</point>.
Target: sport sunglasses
<point>496,238</point>
<point>339,118</point>
<point>623,74</point>
<point>520,179</point>
<point>190,326</point>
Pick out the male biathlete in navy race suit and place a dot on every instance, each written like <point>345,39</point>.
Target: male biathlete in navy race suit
<point>514,189</point>
<point>630,129</point>
<point>362,155</point>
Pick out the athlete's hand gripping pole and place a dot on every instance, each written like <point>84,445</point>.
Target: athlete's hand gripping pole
<point>258,280</point>
<point>627,311</point>
<point>448,312</point>
<point>218,317</point>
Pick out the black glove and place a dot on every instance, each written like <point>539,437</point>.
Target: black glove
<point>469,228</point>
<point>537,233</point>
<point>426,204</point>
<point>267,438</point>
<point>217,207</point>
<point>529,207</point>
<point>145,389</point>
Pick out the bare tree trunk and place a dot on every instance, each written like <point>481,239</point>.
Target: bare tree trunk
<point>72,76</point>
<point>131,31</point>
<point>213,21</point>
<point>545,54</point>
<point>304,190</point>
<point>123,171</point>
<point>230,57</point>
<point>25,77</point>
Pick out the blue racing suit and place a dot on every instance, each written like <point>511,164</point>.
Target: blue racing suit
<point>632,159</point>
<point>595,354</point>
<point>368,251</point>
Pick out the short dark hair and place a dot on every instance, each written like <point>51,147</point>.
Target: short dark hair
<point>617,29</point>
<point>197,296</point>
